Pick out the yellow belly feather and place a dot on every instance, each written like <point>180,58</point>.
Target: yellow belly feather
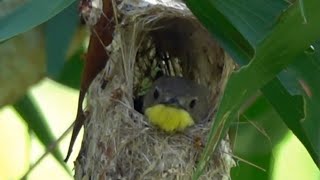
<point>169,118</point>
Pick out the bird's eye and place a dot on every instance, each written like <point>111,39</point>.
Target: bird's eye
<point>156,93</point>
<point>192,103</point>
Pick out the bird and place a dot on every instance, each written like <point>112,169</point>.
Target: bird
<point>175,103</point>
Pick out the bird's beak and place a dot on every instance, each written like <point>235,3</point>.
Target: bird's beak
<point>173,102</point>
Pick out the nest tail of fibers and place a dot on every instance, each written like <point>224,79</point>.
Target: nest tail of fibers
<point>151,38</point>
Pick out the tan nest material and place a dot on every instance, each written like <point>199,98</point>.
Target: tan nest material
<point>119,143</point>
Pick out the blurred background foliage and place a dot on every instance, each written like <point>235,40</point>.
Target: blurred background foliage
<point>41,48</point>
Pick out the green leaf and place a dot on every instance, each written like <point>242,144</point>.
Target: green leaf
<point>305,72</point>
<point>30,15</point>
<point>308,73</point>
<point>254,20</point>
<point>58,33</point>
<point>289,108</point>
<point>71,72</point>
<point>227,35</point>
<point>299,79</point>
<point>245,171</point>
<point>238,25</point>
<point>30,113</point>
<point>261,127</point>
<point>272,55</point>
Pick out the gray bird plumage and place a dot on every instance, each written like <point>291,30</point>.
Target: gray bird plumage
<point>181,93</point>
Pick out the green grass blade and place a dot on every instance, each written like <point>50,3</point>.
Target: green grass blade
<point>31,114</point>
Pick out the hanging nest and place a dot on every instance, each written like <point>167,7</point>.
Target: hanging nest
<point>151,40</point>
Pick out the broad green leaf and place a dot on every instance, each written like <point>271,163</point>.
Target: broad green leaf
<point>259,167</point>
<point>293,114</point>
<point>259,126</point>
<point>227,35</point>
<point>30,113</point>
<point>305,73</point>
<point>272,55</point>
<point>300,79</point>
<point>30,15</point>
<point>308,73</point>
<point>59,32</point>
<point>238,25</point>
<point>254,20</point>
<point>70,75</point>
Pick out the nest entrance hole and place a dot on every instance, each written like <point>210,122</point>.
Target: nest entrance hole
<point>177,46</point>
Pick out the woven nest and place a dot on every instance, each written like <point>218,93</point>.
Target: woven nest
<point>151,40</point>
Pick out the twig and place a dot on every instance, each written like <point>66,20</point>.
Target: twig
<point>49,150</point>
